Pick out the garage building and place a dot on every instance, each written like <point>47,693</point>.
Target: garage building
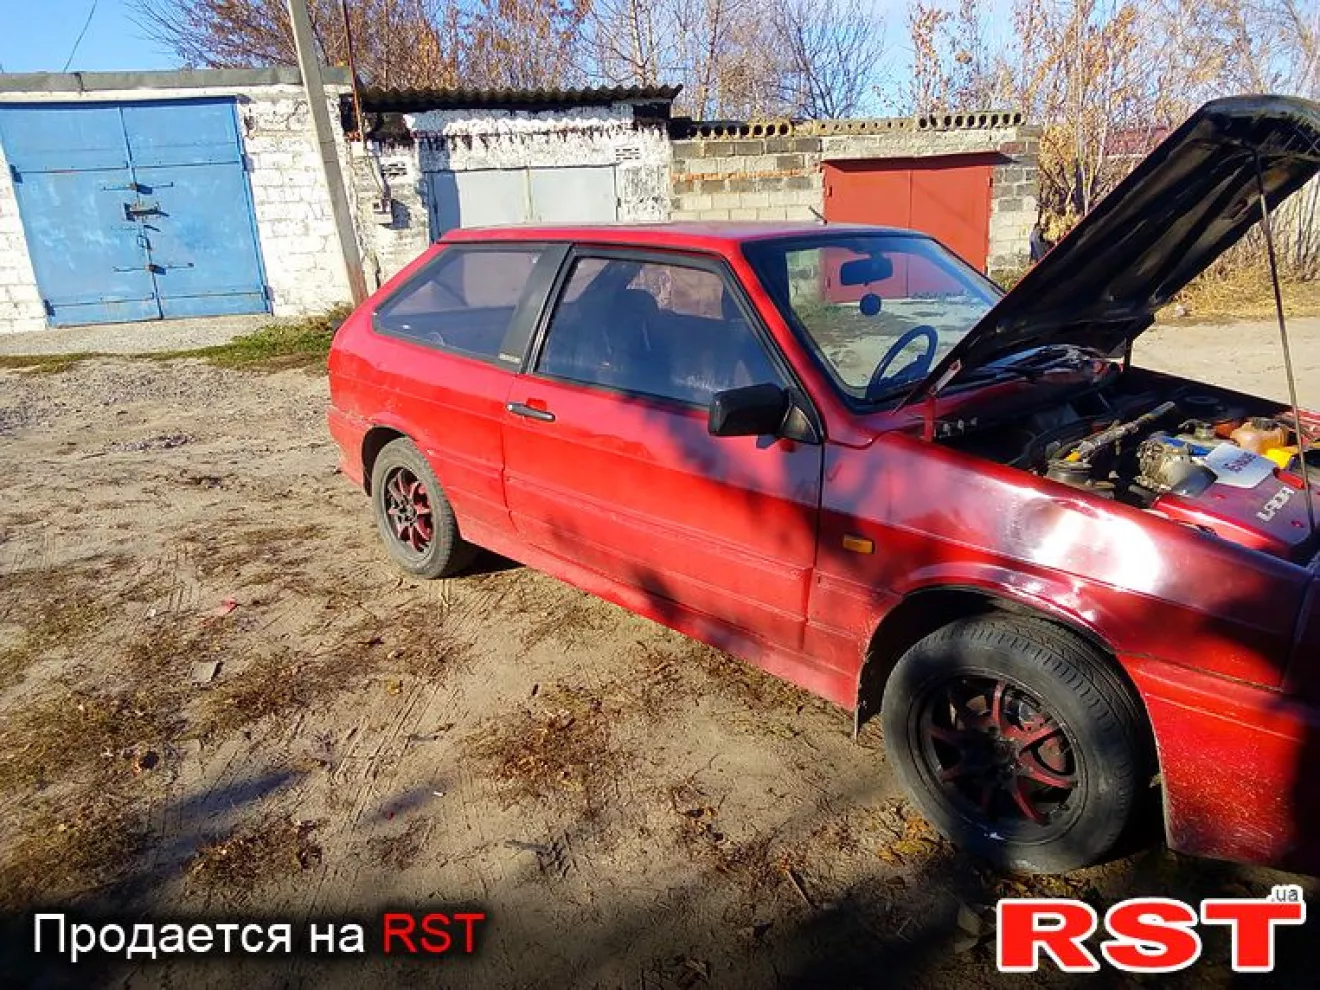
<point>163,195</point>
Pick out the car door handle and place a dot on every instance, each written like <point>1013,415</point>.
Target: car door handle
<point>522,409</point>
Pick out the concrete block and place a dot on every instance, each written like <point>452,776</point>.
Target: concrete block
<point>25,294</point>
<point>754,200</point>
<point>21,324</point>
<point>705,166</point>
<point>695,202</point>
<point>743,213</point>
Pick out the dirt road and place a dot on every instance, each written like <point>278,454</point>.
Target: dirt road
<point>216,696</point>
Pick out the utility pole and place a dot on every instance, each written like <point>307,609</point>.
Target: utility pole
<point>310,67</point>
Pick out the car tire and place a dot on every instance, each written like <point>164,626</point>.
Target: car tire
<point>1018,742</point>
<point>415,520</point>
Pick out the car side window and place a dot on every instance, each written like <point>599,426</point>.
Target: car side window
<point>464,301</point>
<point>651,328</point>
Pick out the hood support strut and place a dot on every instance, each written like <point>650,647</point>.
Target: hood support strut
<point>1267,230</point>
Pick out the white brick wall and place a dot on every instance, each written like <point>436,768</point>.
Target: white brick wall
<point>295,229</point>
<point>20,302</point>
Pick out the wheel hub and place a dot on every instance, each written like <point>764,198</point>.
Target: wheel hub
<point>408,507</point>
<point>997,752</point>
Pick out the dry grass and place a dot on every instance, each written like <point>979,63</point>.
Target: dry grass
<point>1244,293</point>
<point>59,854</point>
<point>272,686</point>
<point>95,739</point>
<point>54,607</point>
<point>558,747</point>
<point>256,855</point>
<point>47,364</point>
<point>568,617</point>
<point>918,843</point>
<point>269,551</point>
<point>398,852</point>
<point>275,347</point>
<point>758,863</point>
<point>749,684</point>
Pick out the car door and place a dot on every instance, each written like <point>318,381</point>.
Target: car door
<point>608,461</point>
<point>457,333</point>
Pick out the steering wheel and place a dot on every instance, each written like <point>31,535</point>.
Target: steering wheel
<point>913,369</point>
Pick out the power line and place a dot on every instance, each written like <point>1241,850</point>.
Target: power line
<point>86,24</point>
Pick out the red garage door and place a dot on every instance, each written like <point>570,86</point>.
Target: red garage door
<point>947,197</point>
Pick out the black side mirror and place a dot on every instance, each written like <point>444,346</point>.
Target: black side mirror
<point>751,411</point>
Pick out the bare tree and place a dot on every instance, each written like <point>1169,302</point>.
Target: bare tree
<point>398,43</point>
<point>524,43</point>
<point>630,41</point>
<point>742,58</point>
<point>829,50</point>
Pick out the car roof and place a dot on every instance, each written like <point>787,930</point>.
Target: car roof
<point>718,235</point>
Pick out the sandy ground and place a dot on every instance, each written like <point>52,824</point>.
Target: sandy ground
<point>1246,356</point>
<point>217,697</point>
<point>133,338</point>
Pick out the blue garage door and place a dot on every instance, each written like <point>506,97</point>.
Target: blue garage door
<point>135,211</point>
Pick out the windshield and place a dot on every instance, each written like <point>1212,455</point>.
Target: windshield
<point>878,309</point>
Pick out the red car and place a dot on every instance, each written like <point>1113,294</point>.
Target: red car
<point>1073,589</point>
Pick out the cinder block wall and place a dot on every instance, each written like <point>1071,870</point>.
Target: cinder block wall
<point>762,178</point>
<point>774,170</point>
<point>295,228</point>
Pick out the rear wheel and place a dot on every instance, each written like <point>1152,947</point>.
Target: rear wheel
<point>1018,742</point>
<point>413,516</point>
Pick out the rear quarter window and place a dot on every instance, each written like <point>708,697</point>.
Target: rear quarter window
<point>464,301</point>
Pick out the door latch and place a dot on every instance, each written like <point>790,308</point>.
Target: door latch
<point>153,267</point>
<point>140,208</point>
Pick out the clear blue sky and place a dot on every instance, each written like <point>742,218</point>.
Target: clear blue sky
<point>37,36</point>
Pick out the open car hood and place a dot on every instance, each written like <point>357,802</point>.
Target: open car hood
<point>1190,200</point>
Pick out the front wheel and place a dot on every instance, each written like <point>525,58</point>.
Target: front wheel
<point>1017,742</point>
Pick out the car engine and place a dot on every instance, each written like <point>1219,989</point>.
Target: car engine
<point>1224,463</point>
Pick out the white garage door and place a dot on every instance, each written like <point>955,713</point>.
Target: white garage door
<point>491,197</point>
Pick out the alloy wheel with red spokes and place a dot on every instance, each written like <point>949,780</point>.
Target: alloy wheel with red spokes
<point>1020,741</point>
<point>408,507</point>
<point>997,752</point>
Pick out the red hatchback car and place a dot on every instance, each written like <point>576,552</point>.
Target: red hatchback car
<point>1071,587</point>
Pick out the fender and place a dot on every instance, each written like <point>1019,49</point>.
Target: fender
<point>1045,592</point>
<point>934,596</point>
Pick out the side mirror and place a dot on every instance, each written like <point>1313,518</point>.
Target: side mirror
<point>751,411</point>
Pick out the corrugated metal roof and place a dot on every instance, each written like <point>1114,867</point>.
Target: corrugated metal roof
<point>416,100</point>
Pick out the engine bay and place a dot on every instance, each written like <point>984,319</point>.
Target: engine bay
<point>1223,462</point>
